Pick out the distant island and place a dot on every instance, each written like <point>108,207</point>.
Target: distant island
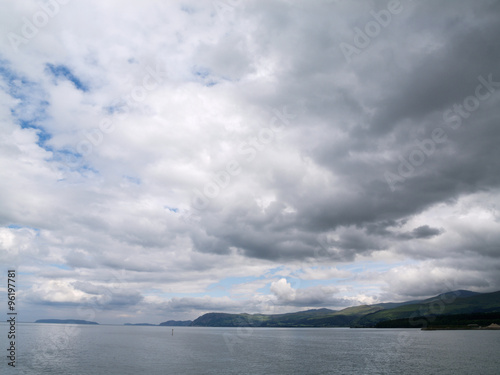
<point>65,321</point>
<point>177,323</point>
<point>139,324</point>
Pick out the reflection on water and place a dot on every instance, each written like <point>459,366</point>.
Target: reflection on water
<point>123,350</point>
<point>54,348</point>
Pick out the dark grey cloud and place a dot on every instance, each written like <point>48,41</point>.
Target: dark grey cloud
<point>386,106</point>
<point>425,231</point>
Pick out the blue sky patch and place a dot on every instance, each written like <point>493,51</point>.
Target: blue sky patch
<point>187,9</point>
<point>30,111</point>
<point>61,266</point>
<point>204,75</point>
<point>62,71</point>
<point>133,180</point>
<point>17,226</point>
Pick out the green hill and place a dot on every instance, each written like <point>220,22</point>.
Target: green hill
<point>297,319</point>
<point>456,302</point>
<point>308,318</point>
<point>444,296</point>
<point>455,320</point>
<point>445,304</point>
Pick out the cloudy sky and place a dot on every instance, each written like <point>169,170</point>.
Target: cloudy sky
<point>163,159</point>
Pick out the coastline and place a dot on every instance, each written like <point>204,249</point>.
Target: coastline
<point>491,327</point>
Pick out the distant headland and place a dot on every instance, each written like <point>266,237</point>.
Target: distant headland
<point>65,321</point>
<point>176,323</point>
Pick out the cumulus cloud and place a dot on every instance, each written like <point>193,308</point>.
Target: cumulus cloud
<point>283,290</point>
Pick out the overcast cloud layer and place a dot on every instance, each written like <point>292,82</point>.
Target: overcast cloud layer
<point>163,159</point>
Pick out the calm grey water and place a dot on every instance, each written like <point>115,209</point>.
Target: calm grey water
<point>123,350</point>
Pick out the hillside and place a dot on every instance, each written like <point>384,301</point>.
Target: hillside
<point>455,320</point>
<point>443,296</point>
<point>308,318</point>
<point>439,305</point>
<point>456,302</point>
<point>297,319</point>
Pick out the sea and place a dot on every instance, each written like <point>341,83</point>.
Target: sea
<point>131,350</point>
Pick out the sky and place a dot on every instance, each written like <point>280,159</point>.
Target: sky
<point>164,159</point>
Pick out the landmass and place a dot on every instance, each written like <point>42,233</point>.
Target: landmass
<point>460,309</point>
<point>452,321</point>
<point>177,323</point>
<point>309,318</point>
<point>409,314</point>
<point>64,321</point>
<point>492,326</point>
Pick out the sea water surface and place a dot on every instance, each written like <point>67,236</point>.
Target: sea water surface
<point>124,350</point>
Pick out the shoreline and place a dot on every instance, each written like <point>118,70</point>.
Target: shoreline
<point>491,327</point>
